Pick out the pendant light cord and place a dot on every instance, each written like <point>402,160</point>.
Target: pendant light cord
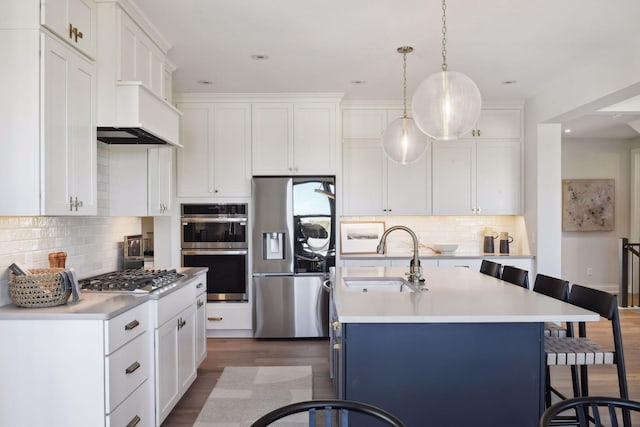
<point>404,83</point>
<point>444,35</point>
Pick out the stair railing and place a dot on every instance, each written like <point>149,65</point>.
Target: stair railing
<point>629,274</point>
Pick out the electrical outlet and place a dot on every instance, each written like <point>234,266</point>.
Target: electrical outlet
<point>589,271</point>
<point>474,236</point>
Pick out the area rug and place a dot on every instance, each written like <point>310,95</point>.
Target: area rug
<point>244,394</point>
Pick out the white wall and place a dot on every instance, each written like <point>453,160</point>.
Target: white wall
<point>597,159</point>
<point>610,78</point>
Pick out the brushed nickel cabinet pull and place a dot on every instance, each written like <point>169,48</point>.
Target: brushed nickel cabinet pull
<point>131,325</point>
<point>199,285</point>
<point>134,422</point>
<point>200,303</point>
<point>132,368</point>
<point>215,318</point>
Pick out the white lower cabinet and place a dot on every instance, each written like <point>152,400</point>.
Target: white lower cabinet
<point>175,347</point>
<point>201,321</point>
<point>76,372</point>
<point>228,316</point>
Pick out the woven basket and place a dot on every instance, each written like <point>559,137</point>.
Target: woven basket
<point>44,287</point>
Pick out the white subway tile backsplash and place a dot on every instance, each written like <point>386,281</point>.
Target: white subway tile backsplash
<point>466,231</point>
<point>93,244</point>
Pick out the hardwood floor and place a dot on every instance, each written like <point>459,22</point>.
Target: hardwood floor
<point>249,352</point>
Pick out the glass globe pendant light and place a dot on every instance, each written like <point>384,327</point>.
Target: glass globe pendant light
<point>447,104</point>
<point>402,141</point>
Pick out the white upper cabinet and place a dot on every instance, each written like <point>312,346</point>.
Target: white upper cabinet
<point>47,117</point>
<point>481,174</point>
<point>70,159</point>
<point>159,175</point>
<point>477,177</point>
<point>374,184</point>
<point>73,21</point>
<point>498,123</point>
<point>294,138</point>
<point>140,181</point>
<point>140,58</point>
<point>215,158</point>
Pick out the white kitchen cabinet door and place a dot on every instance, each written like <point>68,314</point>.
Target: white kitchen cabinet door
<point>140,59</point>
<point>201,326</point>
<point>314,137</point>
<point>215,158</point>
<point>498,179</point>
<point>272,138</point>
<point>498,124</point>
<point>294,138</point>
<point>362,123</point>
<point>167,359</point>
<point>231,150</point>
<point>364,175</point>
<point>454,171</point>
<point>160,172</point>
<point>73,21</point>
<point>68,122</point>
<point>196,156</point>
<point>187,369</point>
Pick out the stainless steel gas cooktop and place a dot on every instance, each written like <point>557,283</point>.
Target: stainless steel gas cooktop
<point>135,280</point>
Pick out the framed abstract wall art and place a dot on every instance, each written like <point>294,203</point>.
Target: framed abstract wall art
<point>588,205</point>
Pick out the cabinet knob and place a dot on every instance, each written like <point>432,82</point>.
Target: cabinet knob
<point>478,210</point>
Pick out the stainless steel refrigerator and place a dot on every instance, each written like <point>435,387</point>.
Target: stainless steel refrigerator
<point>293,246</point>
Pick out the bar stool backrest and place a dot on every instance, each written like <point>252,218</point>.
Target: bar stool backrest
<point>515,275</point>
<point>490,268</point>
<point>551,287</point>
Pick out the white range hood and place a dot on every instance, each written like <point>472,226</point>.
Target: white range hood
<point>139,117</point>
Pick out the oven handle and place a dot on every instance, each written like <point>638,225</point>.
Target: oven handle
<point>216,252</point>
<point>186,220</point>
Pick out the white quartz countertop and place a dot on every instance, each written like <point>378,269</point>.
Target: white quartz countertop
<point>453,295</point>
<point>90,306</point>
<point>96,305</point>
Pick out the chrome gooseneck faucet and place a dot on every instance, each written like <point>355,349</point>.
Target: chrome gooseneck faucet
<point>415,271</point>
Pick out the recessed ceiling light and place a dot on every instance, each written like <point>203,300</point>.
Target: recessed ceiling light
<point>259,57</point>
<point>509,82</point>
<point>205,82</point>
<point>358,82</point>
<point>567,131</point>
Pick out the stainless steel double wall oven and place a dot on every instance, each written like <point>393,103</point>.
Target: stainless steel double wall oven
<point>217,236</point>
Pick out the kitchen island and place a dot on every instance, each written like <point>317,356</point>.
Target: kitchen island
<point>466,351</point>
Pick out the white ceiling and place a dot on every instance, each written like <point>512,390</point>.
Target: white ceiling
<point>325,45</point>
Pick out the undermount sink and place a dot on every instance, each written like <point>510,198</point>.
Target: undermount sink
<point>377,284</point>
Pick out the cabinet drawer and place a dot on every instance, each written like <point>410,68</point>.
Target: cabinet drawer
<point>127,326</point>
<point>138,407</point>
<point>228,316</point>
<point>170,305</point>
<point>127,368</point>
